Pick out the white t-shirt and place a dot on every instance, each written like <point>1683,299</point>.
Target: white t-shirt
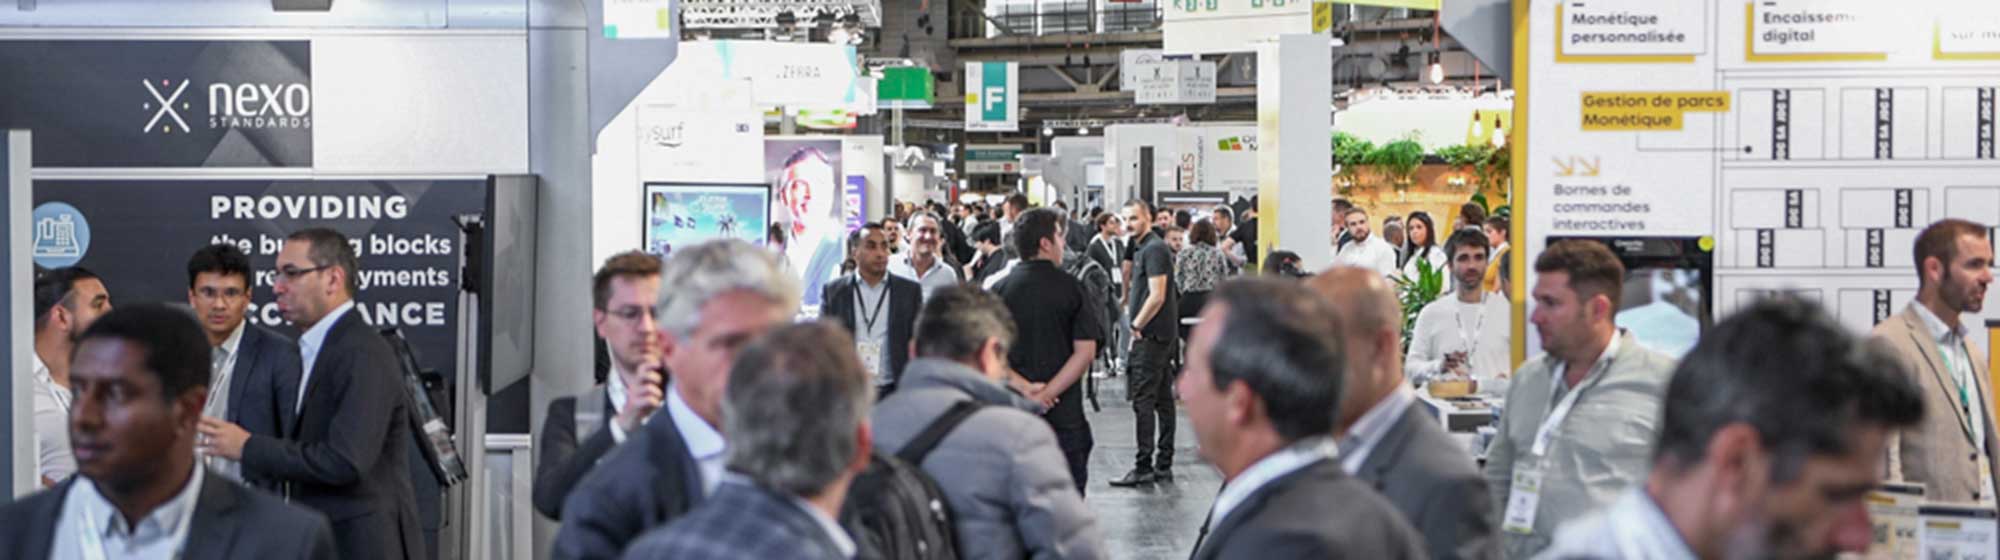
<point>1373,254</point>
<point>1445,325</point>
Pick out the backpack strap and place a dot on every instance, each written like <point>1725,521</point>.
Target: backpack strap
<point>920,447</point>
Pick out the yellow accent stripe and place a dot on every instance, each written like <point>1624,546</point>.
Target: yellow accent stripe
<point>1411,4</point>
<point>1517,165</point>
<point>1564,58</point>
<point>1750,53</point>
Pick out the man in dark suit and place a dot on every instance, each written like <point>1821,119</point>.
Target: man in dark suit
<point>140,378</point>
<point>1264,369</point>
<point>251,367</point>
<point>714,298</point>
<point>1389,441</point>
<point>879,308</point>
<point>580,429</point>
<point>798,410</point>
<point>347,453</point>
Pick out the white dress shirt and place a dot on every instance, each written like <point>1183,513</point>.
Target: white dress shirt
<point>940,274</point>
<point>224,364</point>
<point>1633,528</point>
<point>1951,344</point>
<point>615,389</point>
<point>1481,330</point>
<point>51,423</point>
<point>1271,467</point>
<point>1372,253</point>
<point>1367,431</point>
<point>703,441</point>
<point>309,345</point>
<point>89,521</point>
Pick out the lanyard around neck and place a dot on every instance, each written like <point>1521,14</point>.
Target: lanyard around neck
<point>868,317</point>
<point>1478,325</point>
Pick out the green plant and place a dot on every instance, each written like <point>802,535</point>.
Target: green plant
<point>1400,159</point>
<point>1350,152</point>
<point>1493,172</point>
<point>1415,293</point>
<point>1464,155</point>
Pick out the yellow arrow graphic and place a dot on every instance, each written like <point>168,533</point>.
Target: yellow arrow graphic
<point>1589,166</point>
<point>1565,167</point>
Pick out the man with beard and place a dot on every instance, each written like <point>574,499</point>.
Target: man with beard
<point>67,300</point>
<point>1950,453</point>
<point>1464,336</point>
<point>1581,419</point>
<point>925,262</point>
<point>1772,432</point>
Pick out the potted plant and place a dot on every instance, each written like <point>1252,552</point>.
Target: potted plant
<point>1350,153</point>
<point>1466,159</point>
<point>1415,293</point>
<point>1400,161</point>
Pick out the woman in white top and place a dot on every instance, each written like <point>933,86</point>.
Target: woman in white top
<point>1422,245</point>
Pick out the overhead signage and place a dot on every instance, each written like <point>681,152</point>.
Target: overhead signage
<point>161,103</point>
<point>639,19</point>
<point>905,87</point>
<point>1225,26</point>
<point>1129,62</point>
<point>131,232</point>
<point>1633,27</point>
<point>696,142</point>
<point>991,92</point>
<point>781,74</point>
<point>1175,82</point>
<point>992,159</point>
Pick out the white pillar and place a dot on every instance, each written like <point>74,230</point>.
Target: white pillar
<point>1294,148</point>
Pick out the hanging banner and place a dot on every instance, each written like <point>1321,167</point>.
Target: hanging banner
<point>1129,63</point>
<point>806,187</point>
<point>1224,26</point>
<point>138,235</point>
<point>161,103</point>
<point>991,92</point>
<point>992,159</point>
<point>1175,82</point>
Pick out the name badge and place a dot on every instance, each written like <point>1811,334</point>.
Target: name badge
<point>871,356</point>
<point>1523,499</point>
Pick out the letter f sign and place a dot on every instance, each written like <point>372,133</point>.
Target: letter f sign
<point>995,95</point>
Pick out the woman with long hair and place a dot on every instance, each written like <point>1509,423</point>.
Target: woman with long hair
<point>1421,245</point>
<point>1199,267</point>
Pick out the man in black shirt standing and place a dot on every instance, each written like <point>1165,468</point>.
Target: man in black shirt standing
<point>1152,301</point>
<point>1060,328</point>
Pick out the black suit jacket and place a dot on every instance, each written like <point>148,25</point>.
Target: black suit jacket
<point>906,298</point>
<point>230,521</point>
<point>564,459</point>
<point>1434,481</point>
<point>1314,512</point>
<point>346,456</point>
<point>646,483</point>
<point>262,387</point>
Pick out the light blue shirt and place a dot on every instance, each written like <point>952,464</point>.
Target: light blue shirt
<point>88,520</point>
<point>309,345</point>
<point>1633,528</point>
<point>703,442</point>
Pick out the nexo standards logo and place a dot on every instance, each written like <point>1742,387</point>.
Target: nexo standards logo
<point>230,106</point>
<point>62,235</point>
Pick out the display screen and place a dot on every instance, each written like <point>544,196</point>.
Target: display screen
<point>804,174</point>
<point>1664,308</point>
<point>678,215</point>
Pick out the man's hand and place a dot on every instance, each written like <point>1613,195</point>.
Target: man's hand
<point>219,438</point>
<point>1044,396</point>
<point>649,394</point>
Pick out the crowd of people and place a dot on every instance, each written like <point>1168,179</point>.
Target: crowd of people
<point>935,407</point>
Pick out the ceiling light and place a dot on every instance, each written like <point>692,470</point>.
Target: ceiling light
<point>1048,131</point>
<point>1437,72</point>
<point>1083,131</point>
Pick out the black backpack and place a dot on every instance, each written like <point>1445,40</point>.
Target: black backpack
<point>895,510</point>
<point>1097,287</point>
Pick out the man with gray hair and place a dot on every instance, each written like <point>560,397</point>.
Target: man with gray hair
<point>714,299</point>
<point>1002,469</point>
<point>797,408</point>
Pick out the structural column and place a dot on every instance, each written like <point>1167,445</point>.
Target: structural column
<point>1294,152</point>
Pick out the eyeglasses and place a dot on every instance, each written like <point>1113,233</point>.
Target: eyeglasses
<point>632,313</point>
<point>289,273</point>
<point>230,294</point>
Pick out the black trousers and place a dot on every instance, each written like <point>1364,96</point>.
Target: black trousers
<point>1150,385</point>
<point>1076,442</point>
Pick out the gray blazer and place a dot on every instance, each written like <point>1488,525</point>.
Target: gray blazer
<point>230,521</point>
<point>1434,481</point>
<point>1008,485</point>
<point>1604,447</point>
<point>1312,513</point>
<point>1939,452</point>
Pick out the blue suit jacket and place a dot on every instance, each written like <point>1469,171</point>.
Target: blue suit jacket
<point>262,389</point>
<point>743,521</point>
<point>645,483</point>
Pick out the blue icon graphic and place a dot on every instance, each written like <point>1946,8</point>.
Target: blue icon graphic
<point>62,235</point>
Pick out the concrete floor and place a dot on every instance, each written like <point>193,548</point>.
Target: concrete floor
<point>1156,522</point>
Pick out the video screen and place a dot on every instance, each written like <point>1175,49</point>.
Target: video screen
<point>678,215</point>
<point>1663,308</point>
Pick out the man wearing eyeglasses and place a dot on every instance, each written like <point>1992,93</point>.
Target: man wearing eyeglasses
<point>250,366</point>
<point>346,454</point>
<point>581,429</point>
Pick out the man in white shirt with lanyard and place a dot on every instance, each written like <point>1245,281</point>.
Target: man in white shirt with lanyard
<point>1580,420</point>
<point>67,300</point>
<point>1950,452</point>
<point>923,263</point>
<point>1464,336</point>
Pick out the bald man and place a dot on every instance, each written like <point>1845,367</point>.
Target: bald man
<point>1387,441</point>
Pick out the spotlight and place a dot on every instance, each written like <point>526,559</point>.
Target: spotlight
<point>1083,131</point>
<point>1048,130</point>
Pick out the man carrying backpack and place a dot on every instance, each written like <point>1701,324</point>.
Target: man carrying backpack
<point>999,468</point>
<point>1060,328</point>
